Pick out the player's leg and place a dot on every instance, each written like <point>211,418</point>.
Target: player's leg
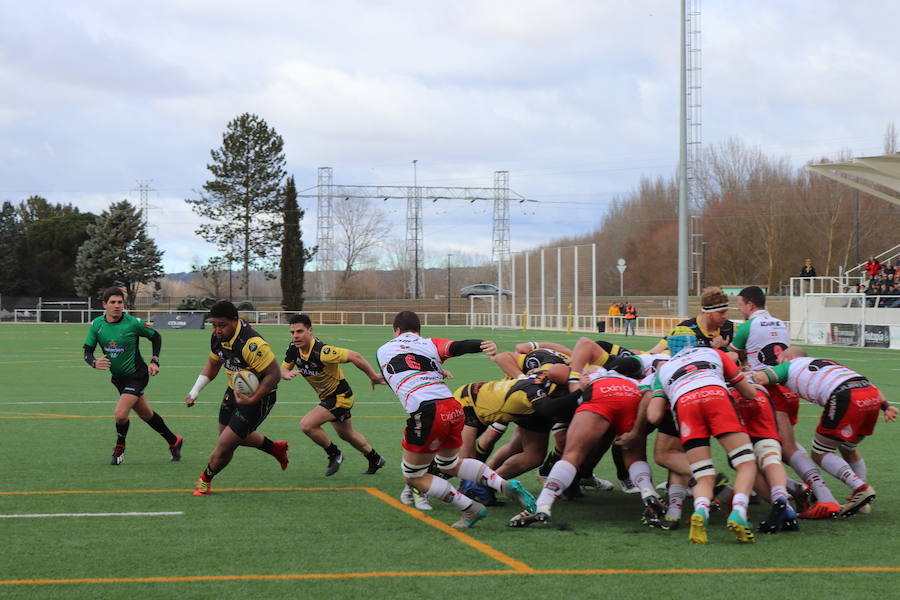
<point>782,516</point>
<point>152,418</point>
<point>485,443</point>
<point>825,454</point>
<point>534,449</point>
<point>585,430</point>
<point>311,426</point>
<point>704,473</point>
<point>344,429</point>
<point>510,448</point>
<point>740,454</point>
<point>226,444</point>
<point>123,408</point>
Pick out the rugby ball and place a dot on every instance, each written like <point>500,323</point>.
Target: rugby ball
<point>245,382</point>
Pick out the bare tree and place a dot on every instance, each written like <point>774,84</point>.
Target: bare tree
<point>361,228</point>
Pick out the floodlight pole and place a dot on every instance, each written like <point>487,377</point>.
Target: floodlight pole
<point>682,177</point>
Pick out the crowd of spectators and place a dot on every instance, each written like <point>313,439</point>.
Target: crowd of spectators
<point>883,281</point>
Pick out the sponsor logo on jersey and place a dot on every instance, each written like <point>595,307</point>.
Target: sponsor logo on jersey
<point>252,347</point>
<point>326,350</point>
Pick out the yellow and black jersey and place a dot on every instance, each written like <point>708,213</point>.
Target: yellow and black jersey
<point>540,357</point>
<point>245,350</point>
<point>321,367</point>
<point>505,400</point>
<point>611,351</point>
<point>705,338</point>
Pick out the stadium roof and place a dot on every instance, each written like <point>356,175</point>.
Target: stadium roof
<point>865,174</point>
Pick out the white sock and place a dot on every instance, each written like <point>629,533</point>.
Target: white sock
<point>837,466</point>
<point>739,503</point>
<point>676,501</point>
<point>561,476</point>
<point>809,472</point>
<point>779,492</point>
<point>480,473</point>
<point>859,467</point>
<point>701,503</point>
<point>639,472</point>
<point>444,490</point>
<point>794,486</point>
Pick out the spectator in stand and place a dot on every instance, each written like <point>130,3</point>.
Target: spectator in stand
<point>893,290</point>
<point>630,318</point>
<point>872,267</point>
<point>808,269</point>
<point>890,271</point>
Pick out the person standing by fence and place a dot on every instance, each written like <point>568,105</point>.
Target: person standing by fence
<point>630,318</point>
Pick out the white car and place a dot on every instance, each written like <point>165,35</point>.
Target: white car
<point>483,289</point>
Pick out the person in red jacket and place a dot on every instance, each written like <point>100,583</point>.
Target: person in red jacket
<point>872,267</point>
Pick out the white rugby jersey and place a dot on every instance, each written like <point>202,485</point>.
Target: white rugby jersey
<point>692,369</point>
<point>812,378</point>
<point>763,338</point>
<point>412,366</point>
<point>647,361</point>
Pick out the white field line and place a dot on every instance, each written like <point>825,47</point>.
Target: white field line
<point>122,514</point>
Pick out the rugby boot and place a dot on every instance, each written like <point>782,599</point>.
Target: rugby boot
<point>742,530</point>
<point>514,489</point>
<point>118,455</point>
<point>280,452</point>
<point>334,463</point>
<point>865,509</point>
<point>203,488</point>
<point>781,518</point>
<point>669,523</point>
<point>604,485</point>
<point>654,513</point>
<point>471,515</point>
<point>526,518</point>
<point>862,496</point>
<point>628,487</point>
<point>697,533</point>
<point>175,449</point>
<point>420,500</point>
<point>805,498</point>
<point>573,492</point>
<point>375,465</point>
<point>821,510</point>
<point>406,496</point>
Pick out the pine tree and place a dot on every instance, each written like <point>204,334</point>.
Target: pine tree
<point>11,230</point>
<point>293,253</point>
<point>243,199</point>
<point>118,249</point>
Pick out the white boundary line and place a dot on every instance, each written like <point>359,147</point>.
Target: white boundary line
<point>122,514</point>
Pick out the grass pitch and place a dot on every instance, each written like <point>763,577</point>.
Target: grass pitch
<point>265,533</point>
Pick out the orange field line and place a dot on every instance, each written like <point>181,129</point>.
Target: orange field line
<point>514,564</point>
<point>385,574</point>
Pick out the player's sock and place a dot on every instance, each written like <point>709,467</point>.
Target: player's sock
<point>739,503</point>
<point>121,432</point>
<point>160,427</point>
<point>837,466</point>
<point>561,476</point>
<point>639,472</point>
<point>208,474</point>
<point>794,487</point>
<point>677,493</point>
<point>779,492</point>
<point>332,450</point>
<point>809,472</point>
<point>444,490</point>
<point>701,503</point>
<point>480,473</point>
<point>267,445</point>
<point>372,456</point>
<point>621,470</point>
<point>480,453</point>
<point>859,467</point>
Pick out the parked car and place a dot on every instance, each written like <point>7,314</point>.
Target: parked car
<point>483,289</point>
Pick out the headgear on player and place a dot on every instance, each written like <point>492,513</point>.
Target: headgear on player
<point>681,337</point>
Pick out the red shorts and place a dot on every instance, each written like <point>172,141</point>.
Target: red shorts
<point>614,399</point>
<point>850,413</point>
<point>784,400</point>
<point>706,412</point>
<point>758,415</point>
<point>434,426</point>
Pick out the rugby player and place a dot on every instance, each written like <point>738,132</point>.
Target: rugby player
<point>413,368</point>
<point>118,334</point>
<point>712,327</point>
<point>238,346</point>
<point>850,411</point>
<point>320,365</point>
<point>759,341</point>
<point>693,382</point>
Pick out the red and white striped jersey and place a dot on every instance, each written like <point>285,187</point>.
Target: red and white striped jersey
<point>412,366</point>
<point>693,369</point>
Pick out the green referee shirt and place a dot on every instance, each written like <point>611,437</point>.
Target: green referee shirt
<point>119,342</point>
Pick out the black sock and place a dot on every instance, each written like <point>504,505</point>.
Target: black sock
<point>267,445</point>
<point>208,473</point>
<point>122,431</point>
<point>160,427</point>
<point>621,469</point>
<point>372,455</point>
<point>332,450</point>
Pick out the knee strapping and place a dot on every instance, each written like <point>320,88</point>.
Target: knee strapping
<point>821,448</point>
<point>850,445</point>
<point>768,452</point>
<point>499,427</point>
<point>740,455</point>
<point>559,427</point>
<point>446,463</point>
<point>413,471</point>
<point>703,468</point>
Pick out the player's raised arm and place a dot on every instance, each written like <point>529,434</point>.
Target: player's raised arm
<point>359,361</point>
<point>207,374</point>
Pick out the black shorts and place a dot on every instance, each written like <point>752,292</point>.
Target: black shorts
<point>135,383</point>
<point>668,425</point>
<point>535,422</point>
<point>243,420</point>
<point>338,405</point>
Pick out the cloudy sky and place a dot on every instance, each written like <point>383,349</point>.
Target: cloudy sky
<point>576,99</point>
